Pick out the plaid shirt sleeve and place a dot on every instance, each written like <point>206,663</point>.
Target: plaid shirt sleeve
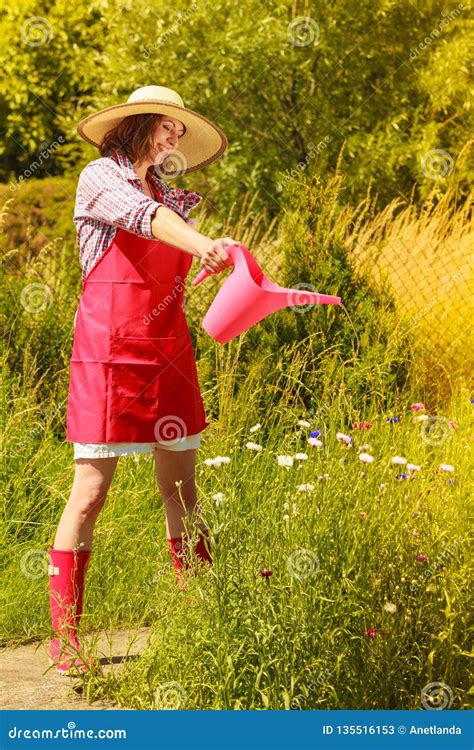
<point>104,194</point>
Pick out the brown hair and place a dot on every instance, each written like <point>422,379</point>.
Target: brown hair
<point>133,135</point>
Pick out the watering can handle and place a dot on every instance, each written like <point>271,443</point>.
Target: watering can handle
<point>230,250</point>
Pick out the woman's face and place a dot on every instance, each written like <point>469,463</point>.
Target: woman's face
<point>166,138</point>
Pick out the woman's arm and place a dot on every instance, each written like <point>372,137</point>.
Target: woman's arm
<point>168,226</point>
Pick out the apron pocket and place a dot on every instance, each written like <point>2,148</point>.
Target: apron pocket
<point>133,381</point>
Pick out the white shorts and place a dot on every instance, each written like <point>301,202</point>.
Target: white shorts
<point>109,450</point>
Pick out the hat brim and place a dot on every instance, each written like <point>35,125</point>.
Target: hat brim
<point>202,143</point>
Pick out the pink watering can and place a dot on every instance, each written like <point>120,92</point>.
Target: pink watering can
<point>247,296</point>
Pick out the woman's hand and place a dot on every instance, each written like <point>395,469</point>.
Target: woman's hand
<point>214,258</point>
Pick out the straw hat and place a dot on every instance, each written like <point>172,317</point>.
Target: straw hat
<point>202,143</point>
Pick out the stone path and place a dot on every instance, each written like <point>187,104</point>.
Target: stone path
<point>24,684</point>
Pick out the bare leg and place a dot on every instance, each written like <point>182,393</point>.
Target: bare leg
<point>92,480</point>
<point>170,467</point>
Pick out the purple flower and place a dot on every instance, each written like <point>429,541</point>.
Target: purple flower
<point>315,433</point>
<point>422,558</point>
<point>401,476</point>
<point>266,573</point>
<point>392,419</point>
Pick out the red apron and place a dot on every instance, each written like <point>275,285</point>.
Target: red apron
<point>133,375</point>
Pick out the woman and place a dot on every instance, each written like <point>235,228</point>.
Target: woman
<point>133,381</point>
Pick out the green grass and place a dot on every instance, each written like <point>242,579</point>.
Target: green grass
<point>296,639</point>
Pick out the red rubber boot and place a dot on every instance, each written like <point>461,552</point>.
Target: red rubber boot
<point>178,553</point>
<point>67,570</point>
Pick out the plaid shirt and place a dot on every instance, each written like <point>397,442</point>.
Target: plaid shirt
<point>110,196</point>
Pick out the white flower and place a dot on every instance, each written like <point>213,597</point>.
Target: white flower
<point>420,418</point>
<point>413,467</point>
<point>366,458</point>
<point>255,427</point>
<point>303,423</point>
<point>286,506</point>
<point>286,517</point>
<point>285,461</point>
<point>217,461</point>
<point>301,456</point>
<point>446,467</point>
<point>363,448</point>
<point>253,446</point>
<point>382,488</point>
<point>390,607</point>
<point>343,438</point>
<point>305,487</point>
<point>315,441</point>
<point>219,497</point>
<point>399,460</point>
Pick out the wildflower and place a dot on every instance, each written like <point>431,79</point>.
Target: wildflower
<point>446,467</point>
<point>361,425</point>
<point>418,407</point>
<point>413,467</point>
<point>365,447</point>
<point>253,446</point>
<point>219,497</point>
<point>366,458</point>
<point>390,607</point>
<point>422,558</point>
<point>285,461</point>
<point>326,476</point>
<point>217,461</point>
<point>373,633</point>
<point>255,427</point>
<point>363,515</point>
<point>452,424</point>
<point>305,487</point>
<point>383,488</point>
<point>303,423</point>
<point>315,433</point>
<point>392,419</point>
<point>301,456</point>
<point>286,517</point>
<point>399,460</point>
<point>266,573</point>
<point>343,438</point>
<point>286,506</point>
<point>315,442</point>
<point>420,418</point>
<point>401,476</point>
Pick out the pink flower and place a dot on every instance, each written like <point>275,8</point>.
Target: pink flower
<point>422,558</point>
<point>373,633</point>
<point>266,573</point>
<point>417,407</point>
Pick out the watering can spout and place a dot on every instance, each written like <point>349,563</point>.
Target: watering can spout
<point>247,296</point>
